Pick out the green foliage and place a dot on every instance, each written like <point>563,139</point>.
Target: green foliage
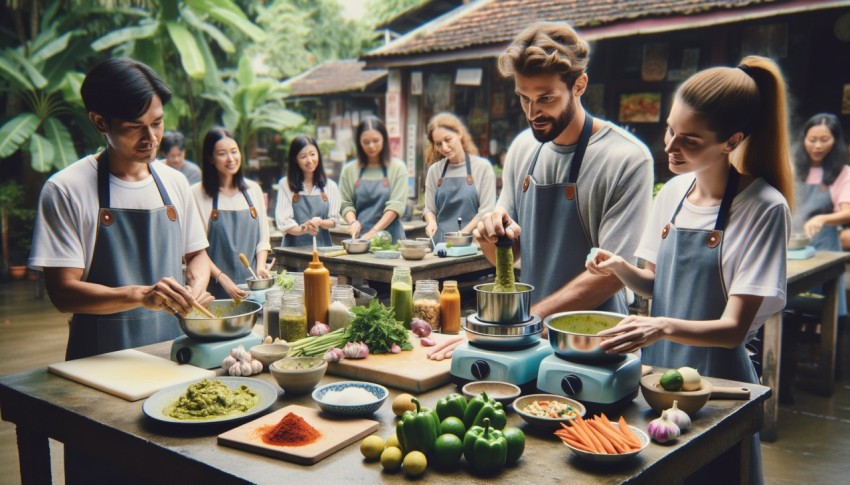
<point>16,223</point>
<point>382,10</point>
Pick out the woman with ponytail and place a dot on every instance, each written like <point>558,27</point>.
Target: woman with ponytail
<point>715,244</point>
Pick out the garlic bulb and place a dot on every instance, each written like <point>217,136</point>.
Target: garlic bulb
<point>355,350</point>
<point>235,370</point>
<point>681,418</point>
<point>333,355</point>
<point>319,329</point>
<point>662,429</point>
<point>228,362</point>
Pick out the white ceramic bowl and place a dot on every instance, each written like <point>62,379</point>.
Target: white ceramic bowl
<point>503,392</point>
<point>380,393</point>
<point>613,458</point>
<point>521,403</point>
<point>268,353</point>
<point>298,375</point>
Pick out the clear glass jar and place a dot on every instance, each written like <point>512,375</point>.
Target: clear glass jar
<point>450,307</point>
<point>342,300</point>
<point>271,313</point>
<point>293,318</point>
<point>426,302</point>
<point>401,295</point>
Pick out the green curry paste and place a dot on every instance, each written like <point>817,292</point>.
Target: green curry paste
<point>212,399</point>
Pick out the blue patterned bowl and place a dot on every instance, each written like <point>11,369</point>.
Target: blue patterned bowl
<point>380,393</point>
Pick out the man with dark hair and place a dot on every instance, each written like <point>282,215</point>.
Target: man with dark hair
<point>572,182</point>
<point>173,148</point>
<point>113,229</point>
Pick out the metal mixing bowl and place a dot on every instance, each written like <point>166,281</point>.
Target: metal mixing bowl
<point>502,336</point>
<point>581,346</point>
<point>237,320</point>
<point>459,238</point>
<point>505,308</point>
<point>356,246</point>
<point>259,284</point>
<point>798,241</point>
<point>413,253</point>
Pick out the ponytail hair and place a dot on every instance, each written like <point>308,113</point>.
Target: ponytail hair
<point>750,99</point>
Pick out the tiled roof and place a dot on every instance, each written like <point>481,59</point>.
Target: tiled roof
<point>334,77</point>
<point>488,22</point>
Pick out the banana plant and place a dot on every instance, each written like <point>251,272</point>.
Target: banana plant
<point>40,75</point>
<point>253,103</point>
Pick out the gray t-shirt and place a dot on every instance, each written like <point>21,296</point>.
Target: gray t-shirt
<point>614,185</point>
<point>192,172</point>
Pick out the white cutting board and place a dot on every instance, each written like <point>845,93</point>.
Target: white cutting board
<point>128,374</point>
<point>335,435</point>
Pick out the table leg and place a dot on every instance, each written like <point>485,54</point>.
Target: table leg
<point>828,329</point>
<point>771,358</point>
<point>34,456</point>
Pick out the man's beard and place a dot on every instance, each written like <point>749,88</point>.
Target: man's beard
<point>556,125</point>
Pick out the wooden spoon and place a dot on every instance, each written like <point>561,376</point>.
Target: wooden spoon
<point>244,260</point>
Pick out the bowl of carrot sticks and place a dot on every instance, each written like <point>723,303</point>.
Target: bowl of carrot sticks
<point>600,440</point>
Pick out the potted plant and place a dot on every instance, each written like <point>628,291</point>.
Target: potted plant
<point>16,225</point>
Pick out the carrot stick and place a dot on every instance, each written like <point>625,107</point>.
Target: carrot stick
<point>576,444</point>
<point>442,345</point>
<point>628,433</point>
<point>617,442</point>
<point>589,435</point>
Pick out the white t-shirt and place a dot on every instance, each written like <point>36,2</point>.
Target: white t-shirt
<point>67,220</point>
<point>284,213</point>
<point>753,258</point>
<point>236,202</point>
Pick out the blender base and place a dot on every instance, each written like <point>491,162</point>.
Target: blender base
<point>595,385</point>
<point>208,355</point>
<point>516,366</point>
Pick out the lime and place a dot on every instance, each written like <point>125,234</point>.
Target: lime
<point>447,450</point>
<point>391,459</point>
<point>372,447</point>
<point>403,402</point>
<point>453,425</point>
<point>415,463</point>
<point>392,441</point>
<point>516,444</point>
<point>671,380</point>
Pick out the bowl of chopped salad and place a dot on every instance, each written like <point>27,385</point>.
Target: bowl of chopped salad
<point>547,410</point>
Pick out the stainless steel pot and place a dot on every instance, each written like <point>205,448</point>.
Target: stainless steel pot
<point>237,320</point>
<point>573,335</point>
<point>502,336</point>
<point>356,246</point>
<point>504,308</point>
<point>259,284</point>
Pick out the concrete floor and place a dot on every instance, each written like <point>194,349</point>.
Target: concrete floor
<point>814,433</point>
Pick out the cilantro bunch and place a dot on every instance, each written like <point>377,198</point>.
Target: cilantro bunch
<point>377,327</point>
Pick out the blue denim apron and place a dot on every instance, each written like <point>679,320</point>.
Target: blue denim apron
<point>231,233</point>
<point>304,208</point>
<point>554,242</point>
<point>370,199</point>
<point>455,198</point>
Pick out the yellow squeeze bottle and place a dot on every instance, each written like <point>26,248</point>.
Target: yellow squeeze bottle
<point>317,288</point>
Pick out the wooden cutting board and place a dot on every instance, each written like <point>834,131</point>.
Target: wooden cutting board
<point>336,434</point>
<point>128,374</point>
<point>410,370</point>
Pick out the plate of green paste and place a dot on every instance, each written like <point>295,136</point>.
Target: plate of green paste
<point>213,400</point>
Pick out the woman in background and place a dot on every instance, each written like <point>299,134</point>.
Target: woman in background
<point>235,213</point>
<point>307,202</point>
<point>719,229</point>
<point>373,187</point>
<point>459,184</point>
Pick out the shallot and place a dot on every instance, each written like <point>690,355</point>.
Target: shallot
<point>420,327</point>
<point>427,342</point>
<point>319,329</point>
<point>395,348</point>
<point>662,429</point>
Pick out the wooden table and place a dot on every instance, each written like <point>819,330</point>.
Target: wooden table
<point>412,230</point>
<point>823,269</point>
<point>43,406</point>
<point>369,267</point>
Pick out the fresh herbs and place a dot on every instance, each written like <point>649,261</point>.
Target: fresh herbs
<point>377,327</point>
<point>382,241</point>
<point>284,281</point>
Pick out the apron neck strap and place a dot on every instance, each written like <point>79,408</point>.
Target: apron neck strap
<point>103,182</point>
<point>725,204</point>
<point>469,179</point>
<point>247,199</point>
<point>363,169</point>
<point>578,155</point>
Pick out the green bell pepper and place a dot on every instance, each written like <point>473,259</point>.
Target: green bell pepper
<point>480,407</point>
<point>516,444</point>
<point>485,448</point>
<point>418,430</point>
<point>451,405</point>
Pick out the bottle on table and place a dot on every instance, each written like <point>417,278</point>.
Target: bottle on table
<point>401,295</point>
<point>317,288</point>
<point>293,319</point>
<point>271,313</point>
<point>342,300</point>
<point>450,308</point>
<point>426,302</point>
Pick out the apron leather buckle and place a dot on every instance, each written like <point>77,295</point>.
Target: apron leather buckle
<point>440,182</point>
<point>386,182</point>
<point>295,198</point>
<point>324,196</point>
<point>570,191</point>
<point>525,183</point>
<point>106,217</point>
<point>357,184</point>
<point>665,231</point>
<point>171,212</point>
<point>469,180</point>
<point>214,215</point>
<point>253,211</point>
<point>713,239</point>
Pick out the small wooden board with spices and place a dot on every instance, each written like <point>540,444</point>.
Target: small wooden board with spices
<point>334,434</point>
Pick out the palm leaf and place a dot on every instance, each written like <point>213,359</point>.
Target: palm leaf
<point>239,23</point>
<point>33,73</point>
<point>17,131</point>
<point>52,48</point>
<point>190,55</point>
<point>211,30</point>
<point>245,72</point>
<point>125,35</point>
<point>12,72</point>
<point>42,153</point>
<point>60,137</point>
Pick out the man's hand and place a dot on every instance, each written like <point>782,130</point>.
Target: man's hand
<point>494,225</point>
<point>169,295</point>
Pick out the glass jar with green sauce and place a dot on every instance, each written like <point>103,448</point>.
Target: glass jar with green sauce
<point>293,318</point>
<point>401,295</point>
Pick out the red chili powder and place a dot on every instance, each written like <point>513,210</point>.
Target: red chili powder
<point>292,430</point>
